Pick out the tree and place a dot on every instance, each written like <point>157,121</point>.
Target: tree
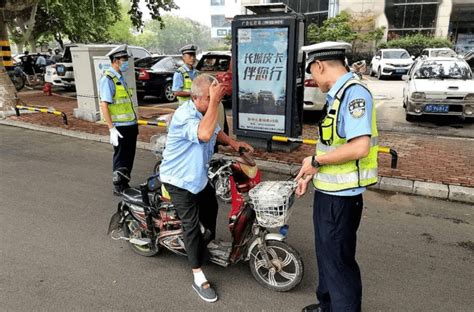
<point>177,33</point>
<point>9,97</point>
<point>336,28</point>
<point>363,25</point>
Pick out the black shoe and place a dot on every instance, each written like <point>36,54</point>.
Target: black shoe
<point>314,308</point>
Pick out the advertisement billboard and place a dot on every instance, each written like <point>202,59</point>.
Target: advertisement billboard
<point>262,78</point>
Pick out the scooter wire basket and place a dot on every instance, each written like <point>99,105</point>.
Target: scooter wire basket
<point>272,201</point>
<point>158,142</point>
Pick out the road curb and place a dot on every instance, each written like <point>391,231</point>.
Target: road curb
<point>436,190</point>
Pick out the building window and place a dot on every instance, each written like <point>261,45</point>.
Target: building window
<point>219,21</point>
<point>305,6</point>
<point>217,2</point>
<point>411,16</point>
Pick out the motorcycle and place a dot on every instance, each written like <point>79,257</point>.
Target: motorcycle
<point>359,68</point>
<point>147,219</point>
<point>218,173</point>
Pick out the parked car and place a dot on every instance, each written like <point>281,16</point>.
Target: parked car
<point>51,76</point>
<point>314,99</point>
<point>65,70</point>
<point>438,52</point>
<point>439,86</point>
<point>154,76</point>
<point>218,64</point>
<point>390,63</point>
<point>62,73</point>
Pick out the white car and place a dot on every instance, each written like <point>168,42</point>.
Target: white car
<point>314,99</point>
<point>390,63</point>
<point>52,77</point>
<point>439,86</point>
<point>438,52</point>
<point>65,70</point>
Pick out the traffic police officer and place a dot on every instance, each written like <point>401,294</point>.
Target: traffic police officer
<point>120,116</point>
<point>344,164</point>
<point>184,76</point>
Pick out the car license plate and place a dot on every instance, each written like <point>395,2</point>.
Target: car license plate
<point>433,108</point>
<point>400,71</point>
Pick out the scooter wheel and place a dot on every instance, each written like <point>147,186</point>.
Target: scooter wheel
<point>132,229</point>
<point>286,272</point>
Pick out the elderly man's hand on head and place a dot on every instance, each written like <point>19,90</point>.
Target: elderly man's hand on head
<point>216,92</point>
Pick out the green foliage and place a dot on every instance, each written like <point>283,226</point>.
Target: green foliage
<point>333,29</point>
<point>120,31</point>
<point>154,6</point>
<point>415,44</point>
<point>177,33</point>
<point>80,21</point>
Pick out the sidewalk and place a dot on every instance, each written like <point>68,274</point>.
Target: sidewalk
<point>432,166</point>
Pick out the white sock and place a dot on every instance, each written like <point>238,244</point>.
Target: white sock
<point>199,278</point>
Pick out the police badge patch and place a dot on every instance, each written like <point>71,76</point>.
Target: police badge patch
<point>357,108</point>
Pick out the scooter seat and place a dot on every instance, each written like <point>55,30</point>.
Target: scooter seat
<point>133,196</point>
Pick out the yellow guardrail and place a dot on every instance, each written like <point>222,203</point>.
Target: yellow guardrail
<point>151,123</point>
<point>382,149</point>
<point>41,110</point>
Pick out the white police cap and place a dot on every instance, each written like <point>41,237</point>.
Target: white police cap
<point>119,51</point>
<point>189,48</point>
<point>324,51</point>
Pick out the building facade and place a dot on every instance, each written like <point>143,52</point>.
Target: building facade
<point>452,19</point>
<point>222,12</point>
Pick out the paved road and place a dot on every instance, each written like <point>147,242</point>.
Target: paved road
<point>416,254</point>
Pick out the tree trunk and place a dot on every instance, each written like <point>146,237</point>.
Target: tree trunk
<point>19,47</point>
<point>8,96</point>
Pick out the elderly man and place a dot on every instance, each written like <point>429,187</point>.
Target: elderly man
<point>192,134</point>
<point>344,164</point>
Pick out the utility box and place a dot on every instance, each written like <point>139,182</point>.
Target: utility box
<point>87,81</point>
<point>268,74</point>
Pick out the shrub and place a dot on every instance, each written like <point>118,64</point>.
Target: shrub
<point>415,44</point>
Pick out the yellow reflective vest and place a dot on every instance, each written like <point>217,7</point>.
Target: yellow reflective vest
<point>121,110</point>
<point>187,83</point>
<point>352,174</point>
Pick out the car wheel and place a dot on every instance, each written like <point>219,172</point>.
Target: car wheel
<point>371,71</point>
<point>168,94</point>
<point>379,73</point>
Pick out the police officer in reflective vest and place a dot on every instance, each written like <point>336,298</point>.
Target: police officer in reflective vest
<point>120,116</point>
<point>344,164</point>
<point>184,76</point>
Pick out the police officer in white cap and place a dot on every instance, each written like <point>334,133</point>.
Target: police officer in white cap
<point>344,164</point>
<point>120,117</point>
<point>184,76</point>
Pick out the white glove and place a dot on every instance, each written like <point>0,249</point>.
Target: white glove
<point>114,136</point>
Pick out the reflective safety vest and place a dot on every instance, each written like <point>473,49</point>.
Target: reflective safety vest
<point>187,83</point>
<point>121,110</point>
<point>352,174</point>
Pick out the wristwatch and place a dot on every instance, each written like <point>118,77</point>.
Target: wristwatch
<point>314,162</point>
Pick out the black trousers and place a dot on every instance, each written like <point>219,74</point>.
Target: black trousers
<point>336,220</point>
<point>124,153</point>
<point>192,209</point>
